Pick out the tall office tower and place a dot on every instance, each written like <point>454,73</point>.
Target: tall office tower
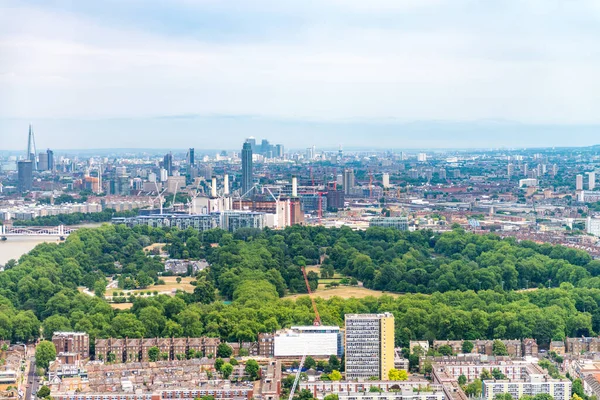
<point>31,149</point>
<point>591,180</point>
<point>247,173</point>
<point>252,142</point>
<point>540,170</point>
<point>348,180</point>
<point>422,157</point>
<point>168,164</point>
<point>279,150</point>
<point>50,154</point>
<point>554,170</point>
<point>369,346</point>
<point>579,182</point>
<point>163,175</point>
<point>525,169</point>
<point>190,156</point>
<point>310,153</point>
<point>25,175</point>
<point>340,153</point>
<point>43,162</point>
<point>510,170</point>
<point>385,180</point>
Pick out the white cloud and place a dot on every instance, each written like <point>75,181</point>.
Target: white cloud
<point>64,64</point>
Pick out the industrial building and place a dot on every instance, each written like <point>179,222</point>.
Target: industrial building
<point>227,220</point>
<point>369,345</point>
<point>400,223</point>
<point>315,341</point>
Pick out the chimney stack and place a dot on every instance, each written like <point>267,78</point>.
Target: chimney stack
<point>213,187</point>
<point>226,185</point>
<point>294,186</point>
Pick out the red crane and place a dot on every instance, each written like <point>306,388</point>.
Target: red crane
<point>317,321</point>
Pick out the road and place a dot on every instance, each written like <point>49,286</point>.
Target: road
<point>32,381</point>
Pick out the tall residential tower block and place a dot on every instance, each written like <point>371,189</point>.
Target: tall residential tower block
<point>369,346</point>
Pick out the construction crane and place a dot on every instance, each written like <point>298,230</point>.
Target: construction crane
<point>293,389</point>
<point>317,321</point>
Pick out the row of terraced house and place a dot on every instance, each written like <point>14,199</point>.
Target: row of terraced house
<point>134,350</point>
<point>514,348</point>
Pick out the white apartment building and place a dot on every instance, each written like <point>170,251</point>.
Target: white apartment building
<point>559,389</point>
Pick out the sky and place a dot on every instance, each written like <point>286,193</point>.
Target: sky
<point>376,73</point>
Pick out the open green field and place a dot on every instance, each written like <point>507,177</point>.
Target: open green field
<point>345,292</point>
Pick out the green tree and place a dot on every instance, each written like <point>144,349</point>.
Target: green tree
<point>397,375</point>
<point>224,350</point>
<point>226,370</point>
<point>153,353</point>
<point>577,388</point>
<point>44,392</point>
<point>462,380</point>
<point>497,374</point>
<point>26,327</point>
<point>309,362</point>
<point>445,350</point>
<point>55,323</point>
<point>219,364</point>
<point>252,370</point>
<point>45,352</point>
<point>473,388</point>
<point>485,374</point>
<point>503,396</point>
<point>467,346</point>
<point>499,348</point>
<point>331,397</point>
<point>335,375</point>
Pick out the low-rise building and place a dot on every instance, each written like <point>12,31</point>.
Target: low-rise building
<point>316,341</point>
<point>559,389</point>
<point>72,342</point>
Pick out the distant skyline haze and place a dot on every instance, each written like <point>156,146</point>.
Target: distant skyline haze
<point>376,74</point>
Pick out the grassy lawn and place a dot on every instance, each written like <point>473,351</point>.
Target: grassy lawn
<point>170,285</point>
<point>121,306</point>
<point>345,292</point>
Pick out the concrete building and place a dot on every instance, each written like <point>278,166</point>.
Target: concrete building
<point>369,345</point>
<point>24,176</point>
<point>579,182</point>
<point>228,220</point>
<point>72,342</point>
<point>592,226</point>
<point>528,182</point>
<point>357,390</point>
<point>559,389</point>
<point>424,344</point>
<point>315,341</point>
<point>247,171</point>
<point>422,157</point>
<point>385,180</point>
<point>168,164</point>
<point>348,181</point>
<point>591,180</point>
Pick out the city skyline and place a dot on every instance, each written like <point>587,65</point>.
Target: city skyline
<point>168,72</point>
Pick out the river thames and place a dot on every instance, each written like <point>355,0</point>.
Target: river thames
<point>16,246</point>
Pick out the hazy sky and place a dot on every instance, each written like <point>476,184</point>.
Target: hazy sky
<point>386,73</point>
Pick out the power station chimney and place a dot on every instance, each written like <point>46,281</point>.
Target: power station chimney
<point>226,185</point>
<point>213,187</point>
<point>294,186</point>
